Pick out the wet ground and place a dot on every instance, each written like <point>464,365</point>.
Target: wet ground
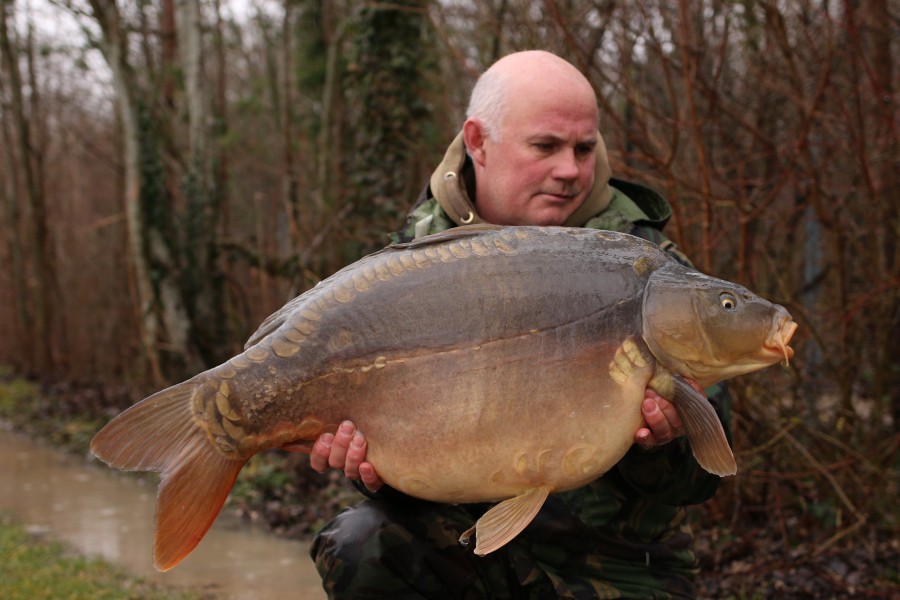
<point>100,512</point>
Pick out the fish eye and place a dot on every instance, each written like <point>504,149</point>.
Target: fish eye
<point>727,301</point>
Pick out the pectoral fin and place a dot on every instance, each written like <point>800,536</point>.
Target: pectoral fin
<point>505,521</point>
<point>704,430</point>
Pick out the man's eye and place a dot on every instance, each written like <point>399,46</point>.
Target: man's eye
<point>584,150</point>
<point>544,147</point>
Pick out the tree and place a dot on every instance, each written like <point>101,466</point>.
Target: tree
<point>114,45</point>
<point>389,67</point>
<point>33,259</point>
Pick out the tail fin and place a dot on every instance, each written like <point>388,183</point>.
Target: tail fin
<point>160,434</point>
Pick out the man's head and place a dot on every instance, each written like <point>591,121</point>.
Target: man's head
<point>532,134</point>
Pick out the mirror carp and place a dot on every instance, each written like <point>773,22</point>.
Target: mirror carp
<point>483,364</point>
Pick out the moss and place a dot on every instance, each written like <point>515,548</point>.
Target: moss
<point>31,567</point>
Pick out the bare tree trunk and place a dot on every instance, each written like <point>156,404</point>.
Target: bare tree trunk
<point>114,47</point>
<point>330,133</point>
<point>690,67</point>
<point>168,52</point>
<point>201,287</point>
<point>36,229</point>
<point>876,19</point>
<point>16,245</point>
<point>291,191</point>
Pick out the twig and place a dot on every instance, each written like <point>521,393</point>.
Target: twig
<point>839,492</point>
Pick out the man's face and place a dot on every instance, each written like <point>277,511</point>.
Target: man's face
<point>542,168</point>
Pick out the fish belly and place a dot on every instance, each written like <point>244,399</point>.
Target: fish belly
<point>486,423</point>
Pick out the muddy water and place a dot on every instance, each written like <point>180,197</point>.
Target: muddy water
<point>100,512</point>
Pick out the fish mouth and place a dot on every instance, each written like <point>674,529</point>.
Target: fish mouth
<point>777,343</point>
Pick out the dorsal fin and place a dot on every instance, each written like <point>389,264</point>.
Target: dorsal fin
<point>456,233</point>
<point>276,319</point>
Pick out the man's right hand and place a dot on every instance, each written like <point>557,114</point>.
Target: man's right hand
<point>345,449</point>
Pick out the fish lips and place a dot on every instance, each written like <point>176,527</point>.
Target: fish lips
<point>783,329</point>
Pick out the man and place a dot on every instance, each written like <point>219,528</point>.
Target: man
<point>529,154</point>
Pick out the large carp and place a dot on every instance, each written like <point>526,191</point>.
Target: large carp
<point>482,364</point>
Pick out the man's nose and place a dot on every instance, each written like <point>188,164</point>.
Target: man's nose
<point>566,166</point>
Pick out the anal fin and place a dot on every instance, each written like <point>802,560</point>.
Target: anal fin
<point>506,520</point>
<point>704,430</point>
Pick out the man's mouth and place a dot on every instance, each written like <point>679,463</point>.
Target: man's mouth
<point>560,197</point>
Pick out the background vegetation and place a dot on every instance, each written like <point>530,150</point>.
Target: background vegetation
<point>172,172</point>
<point>33,567</point>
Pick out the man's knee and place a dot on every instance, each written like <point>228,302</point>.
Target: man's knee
<point>341,541</point>
<point>382,549</point>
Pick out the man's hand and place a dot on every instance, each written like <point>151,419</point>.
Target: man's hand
<point>345,449</point>
<point>661,421</point>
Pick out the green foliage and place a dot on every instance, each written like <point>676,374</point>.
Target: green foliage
<point>262,476</point>
<point>389,72</point>
<point>16,397</point>
<point>34,568</point>
<point>282,490</point>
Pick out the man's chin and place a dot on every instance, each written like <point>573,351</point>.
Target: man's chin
<point>550,216</point>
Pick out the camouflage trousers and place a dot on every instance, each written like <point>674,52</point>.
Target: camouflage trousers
<point>404,550</point>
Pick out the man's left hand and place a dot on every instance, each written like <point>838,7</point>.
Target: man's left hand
<point>661,421</point>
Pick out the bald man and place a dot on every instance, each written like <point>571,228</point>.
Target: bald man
<point>529,153</point>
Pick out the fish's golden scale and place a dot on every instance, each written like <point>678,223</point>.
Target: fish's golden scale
<point>361,282</point>
<point>343,294</point>
<point>219,416</point>
<point>223,403</point>
<point>240,361</point>
<point>294,333</point>
<point>479,248</point>
<point>257,353</point>
<point>284,348</point>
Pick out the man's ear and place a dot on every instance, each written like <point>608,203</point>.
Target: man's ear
<point>473,136</point>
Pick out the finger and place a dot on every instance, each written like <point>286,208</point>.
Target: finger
<point>672,417</point>
<point>356,454</point>
<point>651,394</point>
<point>369,477</point>
<point>321,450</point>
<point>644,438</point>
<point>657,422</point>
<point>341,445</point>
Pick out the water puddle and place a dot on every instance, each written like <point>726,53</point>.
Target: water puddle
<point>100,512</point>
